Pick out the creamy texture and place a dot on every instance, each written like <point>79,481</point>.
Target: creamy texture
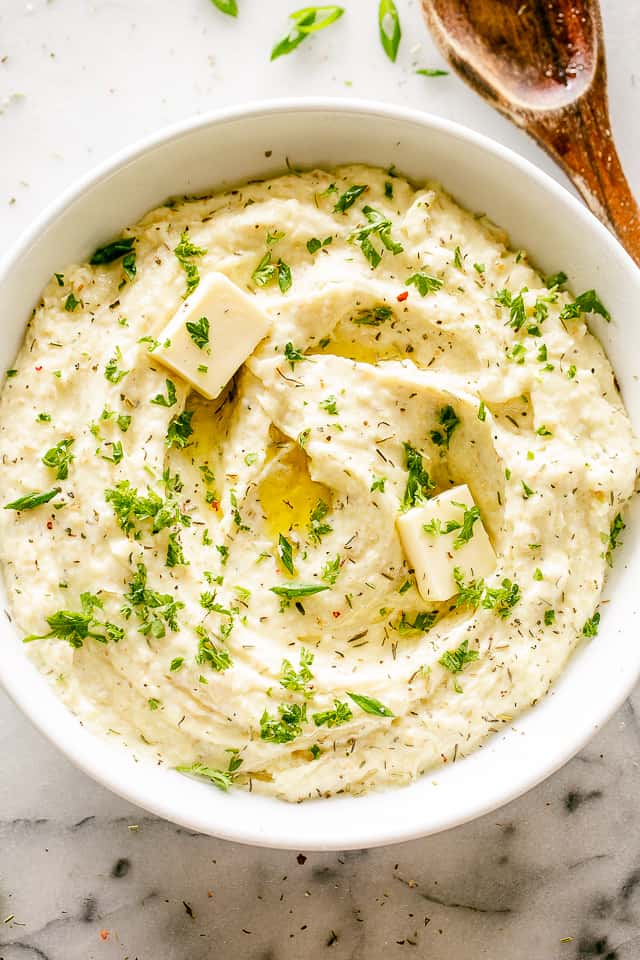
<point>542,441</point>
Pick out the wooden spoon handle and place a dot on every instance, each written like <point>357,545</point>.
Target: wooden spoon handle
<point>579,138</point>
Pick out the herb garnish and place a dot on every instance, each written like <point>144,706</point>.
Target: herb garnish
<point>421,623</point>
<point>470,516</point>
<point>217,658</point>
<point>331,571</point>
<point>296,591</point>
<point>222,779</point>
<point>306,21</point>
<point>180,430</point>
<point>287,728</point>
<point>293,355</point>
<point>448,420</point>
<point>266,271</point>
<point>432,72</point>
<point>170,399</point>
<point>131,508</point>
<point>285,552</point>
<point>313,245</point>
<point>349,197</point>
<point>298,681</point>
<point>330,405</point>
<point>373,317</point>
<point>111,370</point>
<point>587,302</point>
<point>75,627</point>
<point>517,309</point>
<point>199,332</point>
<point>317,528</point>
<point>390,31</point>
<point>378,225</point>
<point>60,457</point>
<point>71,303</point>
<point>370,705</point>
<point>230,7</point>
<point>155,611</point>
<point>424,283</point>
<point>612,538</point>
<point>590,628</point>
<point>419,483</point>
<point>455,661</point>
<point>184,251</point>
<point>112,251</point>
<point>31,500</point>
<point>340,714</point>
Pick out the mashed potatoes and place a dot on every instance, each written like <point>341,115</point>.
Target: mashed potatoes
<point>220,584</point>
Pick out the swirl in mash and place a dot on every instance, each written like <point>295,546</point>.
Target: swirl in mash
<point>177,517</point>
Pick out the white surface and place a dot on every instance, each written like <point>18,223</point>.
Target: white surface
<point>78,80</point>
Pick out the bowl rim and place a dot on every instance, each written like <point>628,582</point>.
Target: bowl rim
<point>368,834</point>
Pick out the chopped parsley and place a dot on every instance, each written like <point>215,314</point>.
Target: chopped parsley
<point>590,629</point>
<point>379,226</point>
<point>549,617</point>
<point>75,627</point>
<point>349,197</point>
<point>170,399</point>
<point>155,611</point>
<point>612,538</point>
<point>373,317</point>
<point>175,553</point>
<point>331,571</point>
<point>482,411</point>
<point>456,660</point>
<point>305,22</point>
<point>377,483</point>
<point>298,681</point>
<point>293,355</point>
<point>180,430</point>
<point>285,728</point>
<point>330,405</point>
<point>313,245</point>
<point>153,703</point>
<point>421,623</point>
<point>340,714</point>
<point>317,528</point>
<point>267,271</point>
<point>184,252</point>
<point>31,500</point>
<point>587,302</point>
<point>132,509</point>
<point>517,309</point>
<point>60,457</point>
<point>71,303</point>
<point>370,704</point>
<point>419,483</point>
<point>469,594</point>
<point>424,283</point>
<point>217,658</point>
<point>176,664</point>
<point>199,332</point>
<point>448,421</point>
<point>222,779</point>
<point>502,599</point>
<point>43,418</point>
<point>112,372</point>
<point>470,516</point>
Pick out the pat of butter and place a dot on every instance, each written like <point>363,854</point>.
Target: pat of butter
<point>433,555</point>
<point>209,356</point>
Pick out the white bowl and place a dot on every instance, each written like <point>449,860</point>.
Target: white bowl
<point>260,140</point>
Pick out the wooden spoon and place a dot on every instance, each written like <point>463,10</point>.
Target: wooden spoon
<point>542,64</point>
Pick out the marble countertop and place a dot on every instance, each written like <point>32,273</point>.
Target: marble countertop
<point>554,875</point>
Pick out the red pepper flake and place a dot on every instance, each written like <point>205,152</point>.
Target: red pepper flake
<point>335,613</point>
<point>49,524</point>
<point>39,368</point>
<point>402,296</point>
<point>215,505</point>
<point>104,934</point>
